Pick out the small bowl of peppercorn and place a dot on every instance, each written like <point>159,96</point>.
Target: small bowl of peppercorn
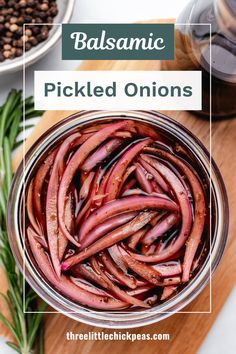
<point>30,27</point>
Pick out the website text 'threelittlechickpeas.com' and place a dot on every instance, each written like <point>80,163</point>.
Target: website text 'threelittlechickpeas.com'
<point>117,336</point>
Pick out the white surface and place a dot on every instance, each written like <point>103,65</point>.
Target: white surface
<point>4,348</point>
<point>221,339</point>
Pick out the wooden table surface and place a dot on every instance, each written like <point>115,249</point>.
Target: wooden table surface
<point>187,331</point>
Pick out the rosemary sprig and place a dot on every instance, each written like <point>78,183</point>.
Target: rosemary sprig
<point>25,327</point>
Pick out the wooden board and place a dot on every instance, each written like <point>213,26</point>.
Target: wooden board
<point>187,331</point>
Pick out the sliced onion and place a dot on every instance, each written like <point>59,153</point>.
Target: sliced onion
<point>116,219</point>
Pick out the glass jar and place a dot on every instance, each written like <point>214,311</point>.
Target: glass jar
<point>211,49</point>
<point>130,318</point>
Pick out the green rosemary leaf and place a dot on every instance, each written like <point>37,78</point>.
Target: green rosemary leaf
<point>5,113</point>
<point>11,116</point>
<point>30,297</point>
<point>41,341</point>
<point>14,346</point>
<point>2,203</point>
<point>26,327</point>
<point>29,101</point>
<point>29,111</point>
<point>17,144</point>
<point>34,114</point>
<point>14,312</point>
<point>26,127</point>
<point>15,127</point>
<point>12,328</point>
<point>7,162</point>
<point>9,306</point>
<point>36,322</point>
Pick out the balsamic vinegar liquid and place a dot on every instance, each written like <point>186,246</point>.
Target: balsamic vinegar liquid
<point>192,52</point>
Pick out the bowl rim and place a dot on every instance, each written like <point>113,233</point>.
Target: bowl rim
<point>29,57</point>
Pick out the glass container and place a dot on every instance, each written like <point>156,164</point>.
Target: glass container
<point>205,39</point>
<point>129,319</point>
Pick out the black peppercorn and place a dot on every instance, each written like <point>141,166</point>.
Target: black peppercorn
<point>11,3</point>
<point>7,47</point>
<point>10,11</point>
<point>13,20</point>
<point>49,19</point>
<point>2,3</point>
<point>9,34</point>
<point>13,15</point>
<point>4,12</point>
<point>27,46</point>
<point>31,4</point>
<point>19,32</point>
<point>14,43</point>
<point>33,41</point>
<point>24,38</point>
<point>22,3</point>
<point>19,52</point>
<point>7,54</point>
<point>19,43</point>
<point>53,11</point>
<point>44,7</point>
<point>20,20</point>
<point>29,10</point>
<point>27,19</point>
<point>7,40</point>
<point>28,32</point>
<point>38,20</point>
<point>35,30</point>
<point>14,27</point>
